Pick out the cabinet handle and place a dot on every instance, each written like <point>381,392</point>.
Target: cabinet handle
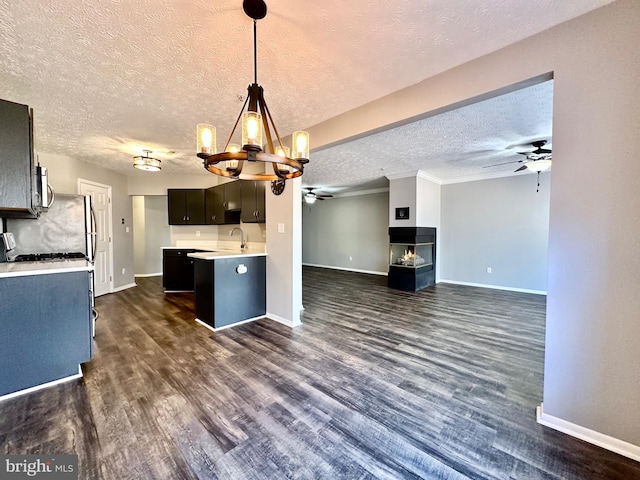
<point>184,219</point>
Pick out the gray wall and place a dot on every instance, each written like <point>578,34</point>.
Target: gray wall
<point>151,232</point>
<point>63,176</point>
<point>500,223</point>
<point>356,226</point>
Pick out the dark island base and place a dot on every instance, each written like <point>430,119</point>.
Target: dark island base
<point>224,296</point>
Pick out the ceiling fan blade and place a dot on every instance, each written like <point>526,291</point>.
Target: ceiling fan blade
<point>505,163</point>
<point>319,198</point>
<point>523,167</point>
<point>324,196</point>
<point>542,150</point>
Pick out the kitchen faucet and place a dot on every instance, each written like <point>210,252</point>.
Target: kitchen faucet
<point>242,244</point>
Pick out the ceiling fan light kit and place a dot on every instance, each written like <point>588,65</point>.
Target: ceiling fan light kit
<point>310,197</point>
<point>256,120</point>
<point>538,165</point>
<point>146,163</point>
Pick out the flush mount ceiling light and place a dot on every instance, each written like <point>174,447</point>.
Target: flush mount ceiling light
<point>146,163</point>
<point>255,120</point>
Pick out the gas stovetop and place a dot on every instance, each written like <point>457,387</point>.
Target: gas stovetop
<point>36,257</point>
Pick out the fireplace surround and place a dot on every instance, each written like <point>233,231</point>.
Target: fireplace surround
<point>412,258</point>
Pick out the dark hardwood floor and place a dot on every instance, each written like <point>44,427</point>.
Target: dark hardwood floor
<point>376,383</point>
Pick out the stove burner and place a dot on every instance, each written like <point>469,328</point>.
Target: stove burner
<point>36,257</point>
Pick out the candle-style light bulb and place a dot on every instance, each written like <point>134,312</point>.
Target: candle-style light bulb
<point>251,129</point>
<point>300,144</point>
<point>232,165</point>
<point>206,138</point>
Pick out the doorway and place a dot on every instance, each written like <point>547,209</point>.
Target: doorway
<point>103,258</point>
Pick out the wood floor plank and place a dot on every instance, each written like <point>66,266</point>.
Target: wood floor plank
<point>376,384</point>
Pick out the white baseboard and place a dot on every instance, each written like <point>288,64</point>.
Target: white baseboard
<point>124,287</point>
<point>44,385</point>
<point>144,275</point>
<point>591,436</point>
<point>283,321</point>
<point>355,270</point>
<point>213,329</point>
<point>495,287</point>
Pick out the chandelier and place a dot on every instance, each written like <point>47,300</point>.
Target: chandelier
<point>146,163</point>
<point>255,120</point>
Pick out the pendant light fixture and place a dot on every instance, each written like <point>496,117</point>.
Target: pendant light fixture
<point>146,163</point>
<point>256,120</point>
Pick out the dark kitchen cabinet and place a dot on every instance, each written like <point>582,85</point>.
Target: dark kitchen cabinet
<point>217,283</point>
<point>16,161</point>
<point>46,328</point>
<point>222,204</point>
<point>177,269</point>
<point>253,208</point>
<point>186,206</point>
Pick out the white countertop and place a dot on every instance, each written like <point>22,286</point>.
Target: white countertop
<point>236,253</point>
<point>24,269</point>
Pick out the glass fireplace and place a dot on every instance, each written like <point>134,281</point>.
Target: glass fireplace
<point>412,256</point>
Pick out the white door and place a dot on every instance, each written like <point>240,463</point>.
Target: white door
<point>101,200</point>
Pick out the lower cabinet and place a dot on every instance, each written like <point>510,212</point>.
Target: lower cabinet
<point>230,290</point>
<point>46,328</point>
<point>177,270</point>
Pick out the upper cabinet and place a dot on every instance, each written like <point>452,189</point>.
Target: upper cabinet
<point>222,204</point>
<point>225,204</point>
<point>186,206</point>
<point>16,161</point>
<point>253,209</point>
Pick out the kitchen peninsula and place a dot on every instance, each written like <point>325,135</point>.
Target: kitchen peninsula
<point>230,286</point>
<point>46,319</point>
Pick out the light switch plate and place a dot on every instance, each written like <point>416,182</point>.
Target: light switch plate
<point>281,228</point>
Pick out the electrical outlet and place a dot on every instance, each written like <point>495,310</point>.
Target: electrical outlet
<point>126,229</point>
<point>350,258</point>
<point>281,228</point>
<point>489,270</point>
<point>197,233</point>
<point>124,271</point>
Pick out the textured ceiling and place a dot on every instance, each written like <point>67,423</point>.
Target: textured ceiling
<point>461,144</point>
<point>108,78</point>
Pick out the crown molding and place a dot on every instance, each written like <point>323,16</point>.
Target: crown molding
<point>415,174</point>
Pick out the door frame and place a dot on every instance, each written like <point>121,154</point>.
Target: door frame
<point>109,224</point>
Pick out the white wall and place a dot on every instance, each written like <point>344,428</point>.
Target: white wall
<point>347,232</point>
<point>427,202</point>
<point>593,332</point>
<point>500,223</point>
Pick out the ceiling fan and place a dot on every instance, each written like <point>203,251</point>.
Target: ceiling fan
<point>310,196</point>
<point>537,160</point>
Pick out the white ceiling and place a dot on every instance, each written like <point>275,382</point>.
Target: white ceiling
<point>109,78</point>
